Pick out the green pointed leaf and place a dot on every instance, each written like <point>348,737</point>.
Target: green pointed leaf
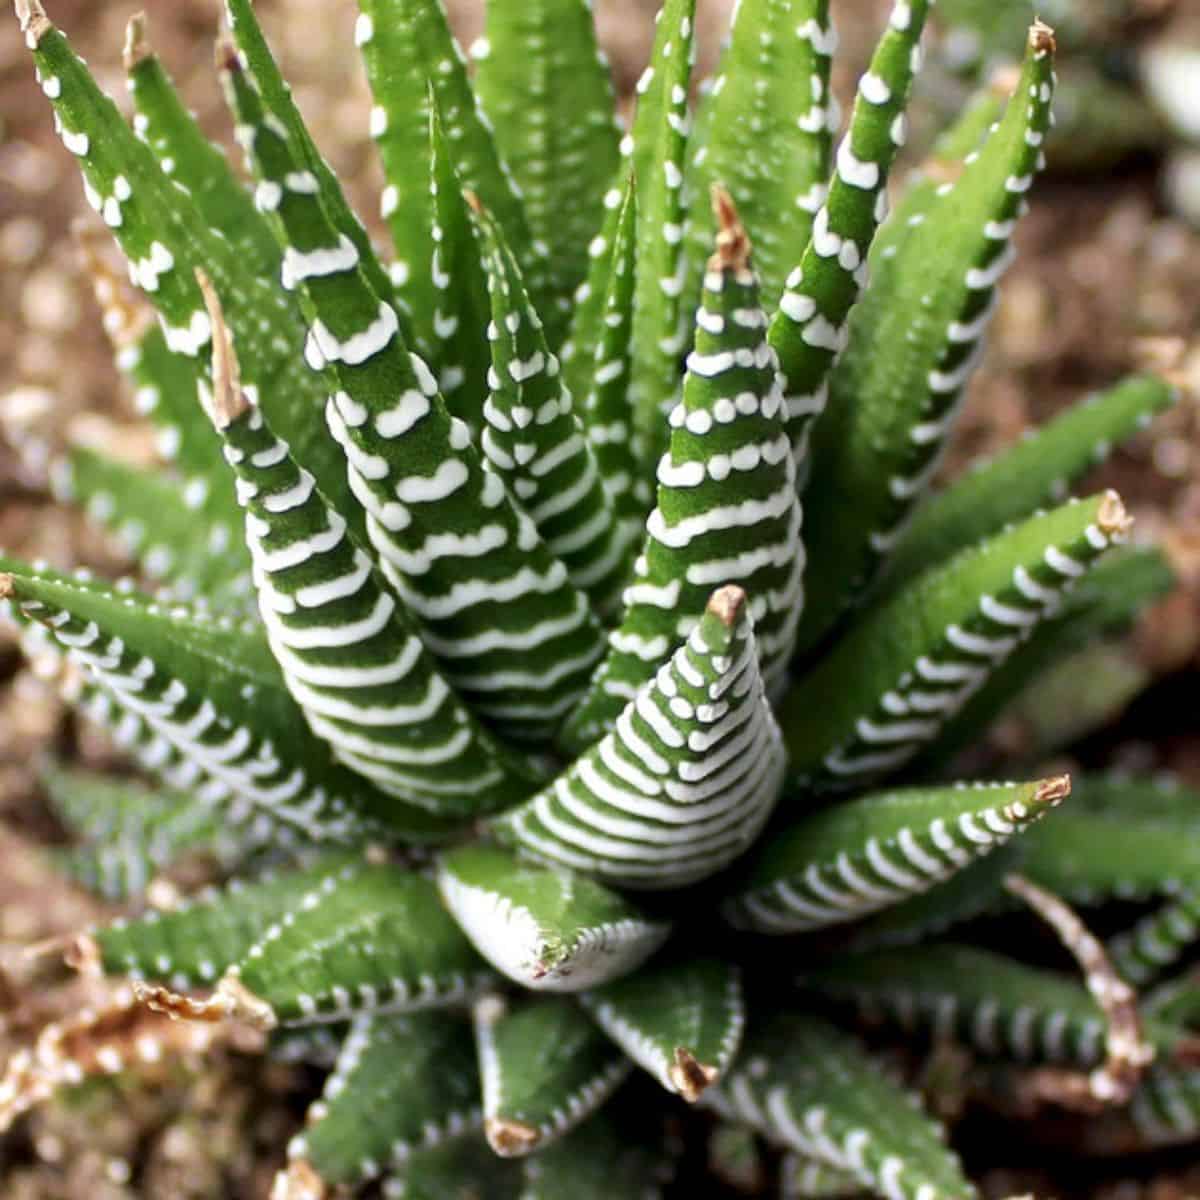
<point>129,832</point>
<point>915,659</point>
<point>727,511</point>
<point>1158,941</point>
<point>535,442</point>
<point>872,852</point>
<point>349,655</point>
<point>213,691</point>
<point>685,781</point>
<point>805,1085</point>
<point>368,939</point>
<point>466,1169</point>
<point>599,1160</point>
<point>532,55</point>
<point>881,438</point>
<point>657,151</point>
<point>545,1068</point>
<point>1036,471</point>
<point>769,124</point>
<point>402,1085</point>
<point>808,329</point>
<point>445,532</point>
<point>680,1021</point>
<point>193,944</point>
<point>547,929</point>
<point>996,1005</point>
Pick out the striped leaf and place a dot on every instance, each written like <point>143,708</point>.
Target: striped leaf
<point>545,1068</point>
<point>727,511</point>
<point>532,55</point>
<point>996,1005</point>
<point>599,1160</point>
<point>445,533</point>
<point>892,681</point>
<point>547,929</point>
<point>883,433</point>
<point>681,1021</point>
<point>875,851</point>
<point>684,782</point>
<point>534,440</point>
<point>368,939</point>
<point>348,653</point>
<point>657,154</point>
<point>401,1085</point>
<point>806,1086</point>
<point>808,329</point>
<point>214,692</point>
<point>1159,940</point>
<point>1165,1110</point>
<point>769,124</point>
<point>1034,472</point>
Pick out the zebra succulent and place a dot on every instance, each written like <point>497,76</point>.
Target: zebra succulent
<point>593,621</point>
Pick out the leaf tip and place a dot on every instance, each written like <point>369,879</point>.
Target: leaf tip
<point>137,44</point>
<point>31,16</point>
<point>7,587</point>
<point>510,1138</point>
<point>733,243</point>
<point>689,1076</point>
<point>1053,790</point>
<point>1041,37</point>
<point>1164,357</point>
<point>82,954</point>
<point>1112,516</point>
<point>227,402</point>
<point>299,1181</point>
<point>225,53</point>
<point>726,604</point>
<point>242,1004</point>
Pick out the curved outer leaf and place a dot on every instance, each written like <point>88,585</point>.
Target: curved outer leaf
<point>1165,1110</point>
<point>402,1084</point>
<point>805,1085</point>
<point>1034,472</point>
<point>808,329</point>
<point>165,124</point>
<point>1158,941</point>
<point>368,939</point>
<point>845,862</point>
<point>546,929</point>
<point>129,832</point>
<point>545,1068</point>
<point>349,656</point>
<point>916,658</point>
<point>680,1021</point>
<point>165,239</point>
<point>998,1006</point>
<point>412,59</point>
<point>193,943</point>
<point>534,53</point>
<point>878,444</point>
<point>534,440</point>
<point>599,369</point>
<point>657,148</point>
<point>686,780</point>
<point>214,692</point>
<point>727,511</point>
<point>446,533</point>
<point>769,124</point>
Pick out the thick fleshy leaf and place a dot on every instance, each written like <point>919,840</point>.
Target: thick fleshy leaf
<point>890,684</point>
<point>532,55</point>
<point>348,653</point>
<point>769,124</point>
<point>808,329</point>
<point>805,1085</point>
<point>402,1085</point>
<point>1034,472</point>
<point>599,1160</point>
<point>681,1021</point>
<point>869,853</point>
<point>996,1005</point>
<point>545,1068</point>
<point>212,690</point>
<point>535,442</point>
<point>464,1168</point>
<point>368,939</point>
<point>445,532</point>
<point>1158,941</point>
<point>686,780</point>
<point>878,443</point>
<point>727,511</point>
<point>545,928</point>
<point>657,150</point>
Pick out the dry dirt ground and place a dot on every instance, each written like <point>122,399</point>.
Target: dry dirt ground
<point>1100,267</point>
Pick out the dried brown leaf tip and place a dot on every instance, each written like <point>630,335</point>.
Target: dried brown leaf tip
<point>726,604</point>
<point>137,45</point>
<point>227,402</point>
<point>509,1138</point>
<point>1128,1053</point>
<point>1113,517</point>
<point>733,242</point>
<point>33,21</point>
<point>690,1077</point>
<point>299,1182</point>
<point>1041,37</point>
